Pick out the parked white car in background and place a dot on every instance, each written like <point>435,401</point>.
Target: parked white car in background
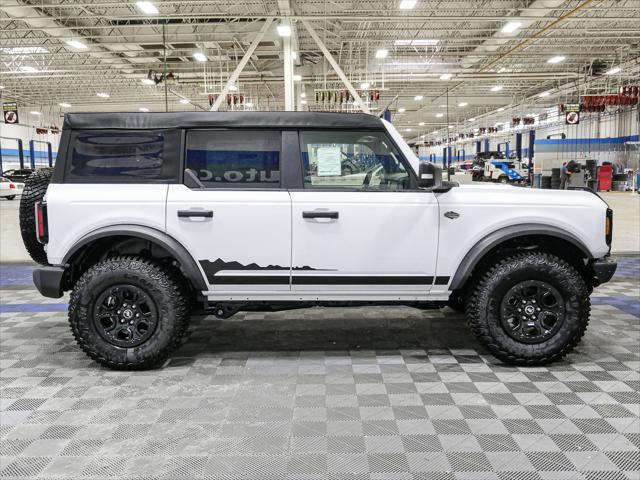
<point>9,189</point>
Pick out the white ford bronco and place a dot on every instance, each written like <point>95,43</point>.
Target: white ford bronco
<point>148,218</point>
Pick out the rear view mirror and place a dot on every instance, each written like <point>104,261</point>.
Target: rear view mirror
<point>429,175</point>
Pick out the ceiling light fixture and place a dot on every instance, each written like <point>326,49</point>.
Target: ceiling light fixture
<point>407,4</point>
<point>511,27</point>
<point>446,76</point>
<point>297,78</point>
<point>382,53</point>
<point>143,109</point>
<point>463,104</point>
<point>232,88</point>
<point>147,7</point>
<point>402,110</point>
<point>64,104</point>
<point>417,98</point>
<point>424,42</point>
<point>612,71</point>
<point>407,129</point>
<point>185,101</point>
<point>147,81</point>
<point>556,59</point>
<point>1,87</point>
<point>23,50</point>
<point>28,69</point>
<point>365,85</point>
<point>303,102</point>
<point>496,88</point>
<point>421,124</point>
<point>439,115</point>
<point>77,44</point>
<point>248,105</point>
<point>472,119</point>
<point>501,109</point>
<point>544,94</point>
<point>284,30</point>
<point>35,113</point>
<point>200,57</point>
<point>103,95</point>
<point>303,95</point>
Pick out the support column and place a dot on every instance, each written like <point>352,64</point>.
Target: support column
<point>288,75</point>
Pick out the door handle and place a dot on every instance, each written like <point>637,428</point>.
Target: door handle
<point>195,213</point>
<point>320,214</point>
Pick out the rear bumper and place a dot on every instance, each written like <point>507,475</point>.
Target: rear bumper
<point>48,281</point>
<point>603,269</point>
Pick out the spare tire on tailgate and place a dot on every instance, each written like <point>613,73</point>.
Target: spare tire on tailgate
<point>35,186</point>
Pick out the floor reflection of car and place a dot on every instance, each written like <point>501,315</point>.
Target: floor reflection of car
<point>18,174</point>
<point>9,189</point>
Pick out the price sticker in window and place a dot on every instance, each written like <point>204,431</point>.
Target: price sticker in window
<point>329,161</point>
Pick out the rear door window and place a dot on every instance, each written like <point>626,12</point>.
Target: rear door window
<point>235,158</point>
<point>125,156</point>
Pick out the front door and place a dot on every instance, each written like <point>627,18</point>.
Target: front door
<point>360,231</point>
<point>239,227</point>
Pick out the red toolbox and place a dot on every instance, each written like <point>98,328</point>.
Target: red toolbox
<point>605,176</point>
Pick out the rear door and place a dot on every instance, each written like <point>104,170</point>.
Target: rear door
<point>238,227</point>
<point>360,230</point>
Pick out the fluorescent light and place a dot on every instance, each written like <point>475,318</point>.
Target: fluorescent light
<point>544,94</point>
<point>23,50</point>
<point>297,78</point>
<point>365,85</point>
<point>472,119</point>
<point>463,104</point>
<point>407,4</point>
<point>1,87</point>
<point>284,30</point>
<point>232,88</point>
<point>511,27</point>
<point>556,59</point>
<point>417,98</point>
<point>103,95</point>
<point>248,105</point>
<point>439,115</point>
<point>417,42</point>
<point>612,71</point>
<point>446,76</point>
<point>185,101</point>
<point>502,70</point>
<point>382,53</point>
<point>147,81</point>
<point>501,109</point>
<point>407,129</point>
<point>28,69</point>
<point>64,104</point>
<point>421,124</point>
<point>200,57</point>
<point>496,88</point>
<point>143,109</point>
<point>450,126</point>
<point>303,95</point>
<point>35,113</point>
<point>77,44</point>
<point>303,102</point>
<point>402,110</point>
<point>147,7</point>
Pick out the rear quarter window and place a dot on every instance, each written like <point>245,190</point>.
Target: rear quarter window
<point>124,156</point>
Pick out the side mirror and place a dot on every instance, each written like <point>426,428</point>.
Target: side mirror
<point>429,175</point>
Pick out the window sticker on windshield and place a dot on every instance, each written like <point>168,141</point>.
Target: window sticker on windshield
<point>328,160</point>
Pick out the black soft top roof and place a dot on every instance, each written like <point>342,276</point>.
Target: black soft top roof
<point>221,119</point>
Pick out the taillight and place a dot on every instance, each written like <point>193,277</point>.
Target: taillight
<point>608,227</point>
<point>11,185</point>
<point>42,230</point>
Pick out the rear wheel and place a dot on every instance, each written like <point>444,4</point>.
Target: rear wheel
<point>128,313</point>
<point>530,309</point>
<point>35,186</point>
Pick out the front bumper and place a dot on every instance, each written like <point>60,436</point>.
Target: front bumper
<point>48,281</point>
<point>603,269</point>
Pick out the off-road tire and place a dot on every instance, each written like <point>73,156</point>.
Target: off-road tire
<point>35,186</point>
<point>10,197</point>
<point>161,285</point>
<point>483,308</point>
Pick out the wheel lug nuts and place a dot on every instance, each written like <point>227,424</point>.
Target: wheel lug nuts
<point>118,312</point>
<point>518,310</point>
<point>131,322</point>
<point>137,314</point>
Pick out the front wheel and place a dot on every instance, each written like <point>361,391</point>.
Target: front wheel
<point>530,309</point>
<point>128,313</point>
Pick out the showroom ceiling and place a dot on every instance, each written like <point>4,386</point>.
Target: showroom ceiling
<point>481,55</point>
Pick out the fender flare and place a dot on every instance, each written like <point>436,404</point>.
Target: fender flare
<point>493,239</point>
<point>188,264</point>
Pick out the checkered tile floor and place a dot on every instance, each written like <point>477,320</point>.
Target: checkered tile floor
<point>363,393</point>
